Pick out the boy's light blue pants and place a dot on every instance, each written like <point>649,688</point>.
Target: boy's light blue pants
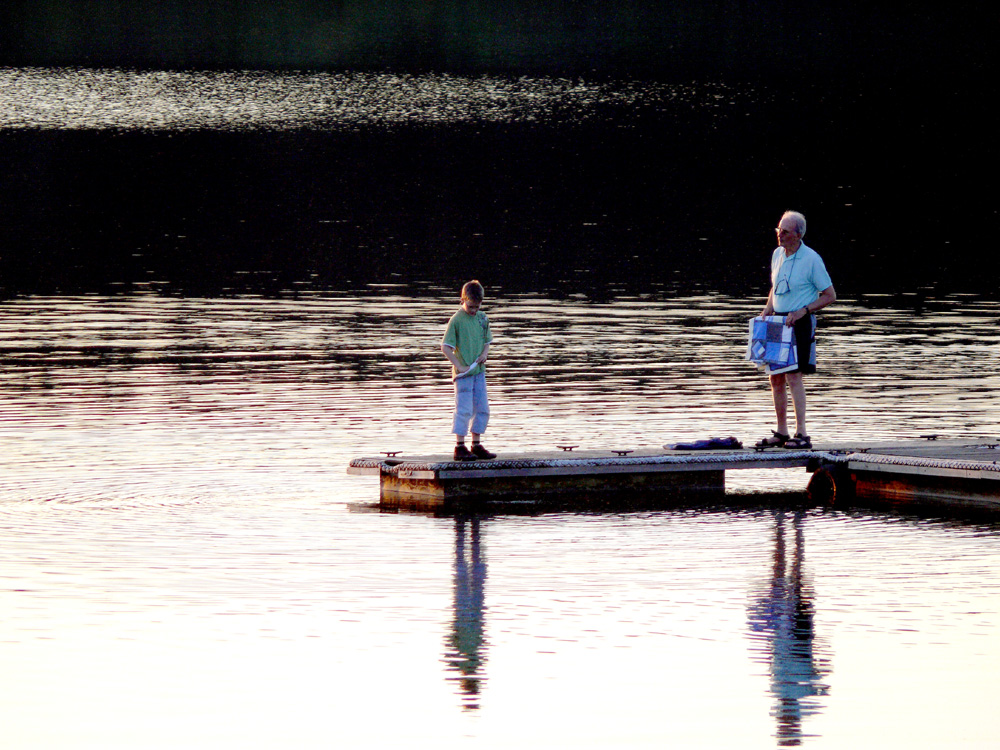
<point>471,405</point>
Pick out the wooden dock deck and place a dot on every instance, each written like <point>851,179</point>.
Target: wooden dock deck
<point>954,472</point>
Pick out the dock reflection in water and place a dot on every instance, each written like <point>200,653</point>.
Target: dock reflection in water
<point>782,622</point>
<point>465,650</point>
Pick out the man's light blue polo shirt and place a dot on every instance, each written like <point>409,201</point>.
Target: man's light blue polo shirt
<point>806,275</point>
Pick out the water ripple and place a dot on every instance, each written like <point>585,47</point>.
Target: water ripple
<point>76,98</point>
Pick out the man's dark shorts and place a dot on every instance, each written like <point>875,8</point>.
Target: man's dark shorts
<point>805,343</point>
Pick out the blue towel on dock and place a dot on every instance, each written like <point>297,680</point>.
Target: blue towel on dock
<point>771,343</point>
<point>706,445</point>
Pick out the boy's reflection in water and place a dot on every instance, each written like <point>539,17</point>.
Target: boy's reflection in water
<point>464,647</point>
<point>782,619</point>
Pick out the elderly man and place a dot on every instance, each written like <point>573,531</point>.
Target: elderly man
<point>800,286</point>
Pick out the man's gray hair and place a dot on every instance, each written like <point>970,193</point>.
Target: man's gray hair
<point>799,219</point>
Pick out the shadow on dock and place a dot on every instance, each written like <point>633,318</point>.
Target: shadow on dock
<point>598,503</point>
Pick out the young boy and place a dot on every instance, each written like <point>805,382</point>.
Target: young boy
<point>466,344</point>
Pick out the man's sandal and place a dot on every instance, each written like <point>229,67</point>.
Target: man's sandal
<point>799,442</point>
<point>772,442</point>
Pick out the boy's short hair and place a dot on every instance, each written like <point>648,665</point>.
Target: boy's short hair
<point>473,291</point>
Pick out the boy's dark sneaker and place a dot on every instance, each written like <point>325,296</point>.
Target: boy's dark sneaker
<point>464,454</point>
<point>480,452</point>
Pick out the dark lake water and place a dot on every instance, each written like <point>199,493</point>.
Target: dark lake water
<point>211,183</point>
<point>221,287</point>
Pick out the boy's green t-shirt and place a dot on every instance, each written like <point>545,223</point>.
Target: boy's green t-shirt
<point>468,335</point>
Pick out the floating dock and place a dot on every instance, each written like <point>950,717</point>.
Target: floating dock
<point>954,472</point>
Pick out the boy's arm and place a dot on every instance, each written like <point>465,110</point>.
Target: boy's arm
<point>486,352</point>
<point>449,352</point>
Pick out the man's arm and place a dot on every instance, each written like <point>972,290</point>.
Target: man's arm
<point>826,297</point>
<point>769,307</point>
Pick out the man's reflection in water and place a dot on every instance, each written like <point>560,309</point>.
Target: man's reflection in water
<point>782,620</point>
<point>464,648</point>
